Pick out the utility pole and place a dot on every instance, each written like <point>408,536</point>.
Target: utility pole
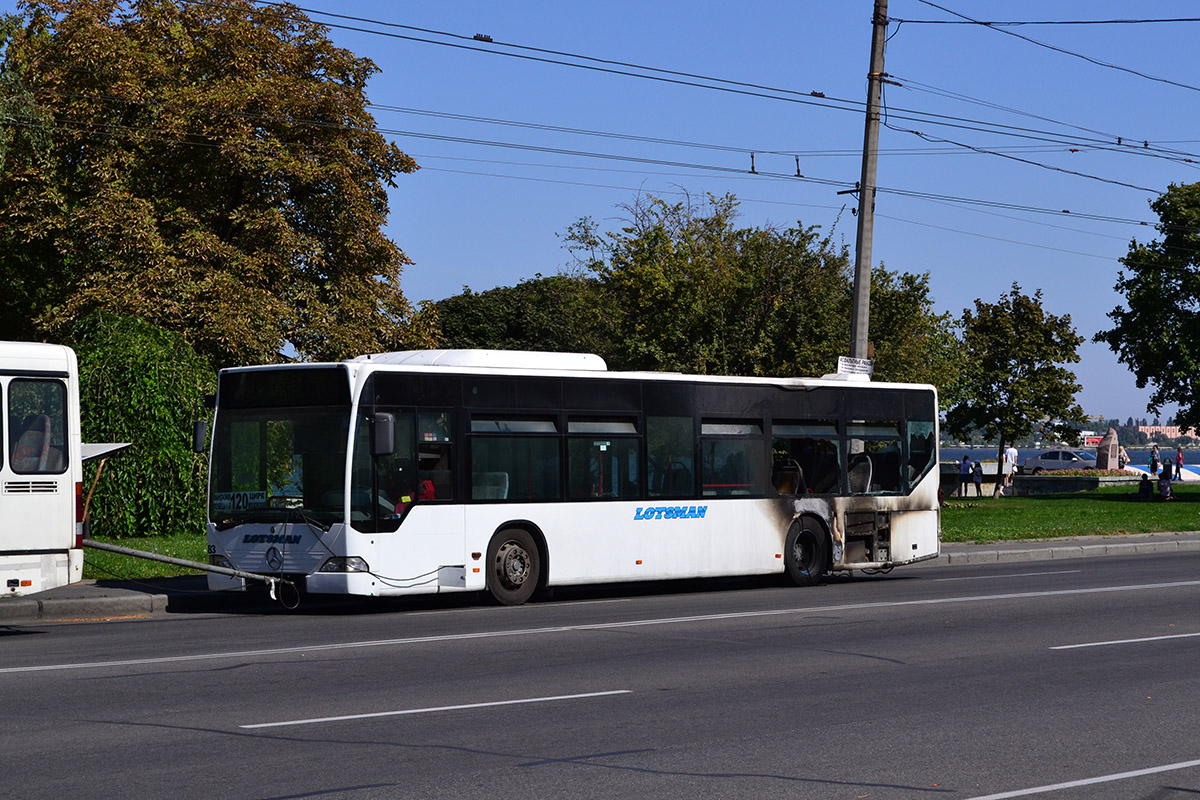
<point>866,190</point>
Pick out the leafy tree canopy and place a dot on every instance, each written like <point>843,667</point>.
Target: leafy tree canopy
<point>555,313</point>
<point>1013,378</point>
<point>1158,334</point>
<point>688,289</point>
<point>683,287</point>
<point>208,167</point>
<point>143,385</point>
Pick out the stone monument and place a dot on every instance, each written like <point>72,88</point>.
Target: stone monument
<point>1106,452</point>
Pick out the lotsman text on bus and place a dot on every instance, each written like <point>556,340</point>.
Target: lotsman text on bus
<point>671,512</point>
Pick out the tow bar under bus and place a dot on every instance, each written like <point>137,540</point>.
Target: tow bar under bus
<point>273,582</point>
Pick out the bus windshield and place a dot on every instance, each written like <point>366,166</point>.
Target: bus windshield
<point>276,464</point>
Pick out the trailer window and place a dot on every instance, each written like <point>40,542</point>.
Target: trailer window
<point>37,414</point>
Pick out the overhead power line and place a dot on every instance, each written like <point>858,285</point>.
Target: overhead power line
<point>676,77</point>
<point>1015,23</point>
<point>208,141</point>
<point>1051,167</point>
<point>1063,50</point>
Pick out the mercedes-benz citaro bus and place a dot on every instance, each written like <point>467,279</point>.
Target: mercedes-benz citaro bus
<point>467,470</point>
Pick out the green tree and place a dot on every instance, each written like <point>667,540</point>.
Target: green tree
<point>208,167</point>
<point>142,385</point>
<point>913,344</point>
<point>681,287</point>
<point>1157,333</point>
<point>687,290</point>
<point>556,313</point>
<point>1013,379</point>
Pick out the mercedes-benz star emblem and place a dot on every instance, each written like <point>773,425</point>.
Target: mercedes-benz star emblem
<point>274,559</point>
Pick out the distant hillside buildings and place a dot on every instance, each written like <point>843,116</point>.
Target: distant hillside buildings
<point>1165,431</point>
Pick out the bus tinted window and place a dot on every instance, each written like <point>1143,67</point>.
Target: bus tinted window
<point>514,468</point>
<point>488,425</point>
<point>806,457</point>
<point>922,448</point>
<point>733,458</point>
<point>670,457</point>
<point>37,412</point>
<point>418,470</point>
<point>602,468</point>
<point>875,457</point>
<point>302,386</point>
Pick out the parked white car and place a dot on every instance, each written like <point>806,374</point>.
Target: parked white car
<point>1058,459</point>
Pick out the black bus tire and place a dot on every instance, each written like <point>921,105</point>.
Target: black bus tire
<point>514,566</point>
<point>804,552</point>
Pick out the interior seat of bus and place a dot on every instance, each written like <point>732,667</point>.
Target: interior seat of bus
<point>860,473</point>
<point>32,452</point>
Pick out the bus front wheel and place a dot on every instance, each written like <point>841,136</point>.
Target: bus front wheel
<point>514,567</point>
<point>804,553</point>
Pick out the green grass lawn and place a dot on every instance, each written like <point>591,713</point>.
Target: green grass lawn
<point>1112,510</point>
<point>101,564</point>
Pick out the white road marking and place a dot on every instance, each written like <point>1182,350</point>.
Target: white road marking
<point>436,708</point>
<point>1126,641</point>
<point>598,626</point>
<point>1012,575</point>
<point>1119,776</point>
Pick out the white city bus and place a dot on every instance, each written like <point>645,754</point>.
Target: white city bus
<point>442,471</point>
<point>40,468</point>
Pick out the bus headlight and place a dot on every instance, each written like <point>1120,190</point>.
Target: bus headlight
<point>344,564</point>
<point>220,561</point>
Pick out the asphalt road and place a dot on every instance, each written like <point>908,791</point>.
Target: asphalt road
<point>1067,680</point>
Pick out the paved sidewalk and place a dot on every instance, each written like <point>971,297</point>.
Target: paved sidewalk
<point>126,599</point>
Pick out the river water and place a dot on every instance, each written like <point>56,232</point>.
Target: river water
<point>1139,457</point>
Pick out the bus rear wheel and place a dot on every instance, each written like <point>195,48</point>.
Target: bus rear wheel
<point>514,567</point>
<point>804,553</point>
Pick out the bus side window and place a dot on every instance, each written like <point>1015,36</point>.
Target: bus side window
<point>515,458</point>
<point>434,453</point>
<point>875,457</point>
<point>810,449</point>
<point>602,458</point>
<point>37,411</point>
<point>382,487</point>
<point>733,458</point>
<point>670,447</point>
<point>921,447</point>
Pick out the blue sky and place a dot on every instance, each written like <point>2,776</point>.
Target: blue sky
<point>486,215</point>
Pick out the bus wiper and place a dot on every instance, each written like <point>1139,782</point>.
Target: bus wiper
<point>315,523</point>
<point>226,524</point>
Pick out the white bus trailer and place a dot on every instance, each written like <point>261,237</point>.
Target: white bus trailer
<point>41,472</point>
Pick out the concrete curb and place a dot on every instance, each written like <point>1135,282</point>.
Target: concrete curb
<point>1047,553</point>
<point>91,608</point>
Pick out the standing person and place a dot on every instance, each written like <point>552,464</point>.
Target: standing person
<point>1010,464</point>
<point>964,475</point>
<point>977,476</point>
<point>1178,463</point>
<point>1122,457</point>
<point>1154,460</point>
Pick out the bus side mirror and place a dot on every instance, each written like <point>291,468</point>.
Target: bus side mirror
<point>383,442</point>
<point>199,434</point>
